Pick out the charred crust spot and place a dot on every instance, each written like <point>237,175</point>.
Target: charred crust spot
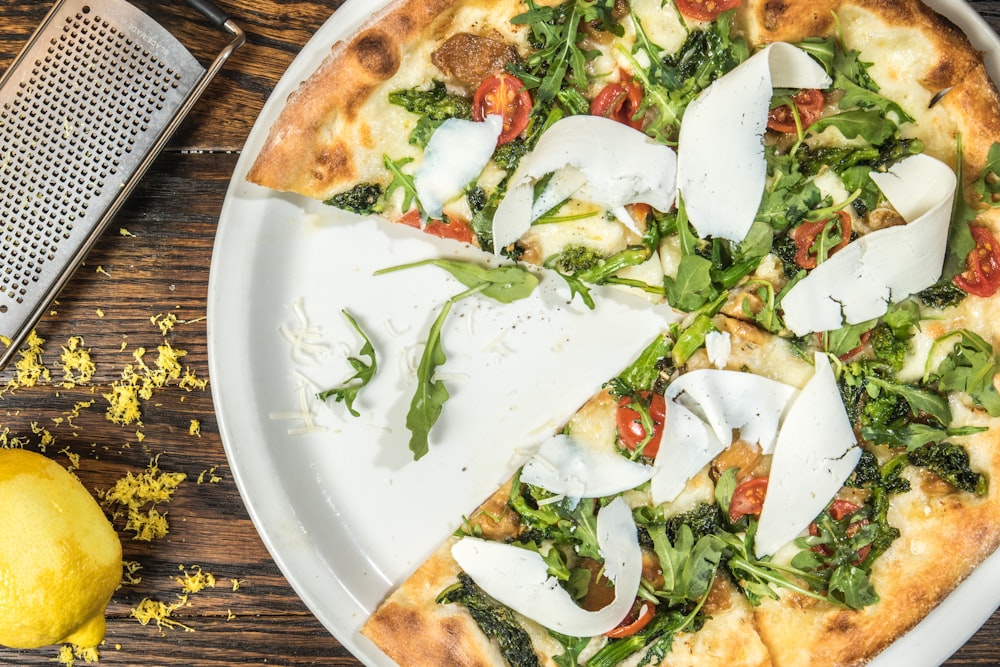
<point>333,160</point>
<point>841,624</point>
<point>376,53</point>
<point>774,10</point>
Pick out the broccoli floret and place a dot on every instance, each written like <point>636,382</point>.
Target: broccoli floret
<point>784,248</point>
<point>888,347</point>
<point>950,462</point>
<point>575,258</point>
<point>436,103</point>
<point>705,519</point>
<point>880,411</point>
<point>866,472</point>
<point>363,199</point>
<point>509,155</point>
<point>495,620</point>
<point>942,295</point>
<point>883,481</point>
<point>477,199</point>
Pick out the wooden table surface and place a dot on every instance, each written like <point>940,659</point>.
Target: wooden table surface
<point>153,263</point>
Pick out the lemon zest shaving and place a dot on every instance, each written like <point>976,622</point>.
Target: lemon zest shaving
<point>149,610</point>
<point>29,369</point>
<point>78,367</point>
<point>138,497</point>
<point>196,581</point>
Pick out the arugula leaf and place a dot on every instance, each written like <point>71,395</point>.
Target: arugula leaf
<point>759,577</point>
<point>505,284</point>
<point>430,396</point>
<point>919,399</point>
<point>850,74</point>
<point>573,647</point>
<point>870,125</point>
<point>912,435</point>
<point>987,186</point>
<point>363,372</point>
<point>688,567</point>
<point>790,195</point>
<point>851,586</point>
<point>692,288</point>
<point>403,181</point>
<point>842,341</point>
<point>643,373</point>
<point>969,367</point>
<point>558,57</point>
<point>960,241</point>
<point>670,84</point>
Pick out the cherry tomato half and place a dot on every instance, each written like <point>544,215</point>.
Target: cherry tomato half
<point>982,265</point>
<point>839,509</point>
<point>619,102</point>
<point>809,105</point>
<point>504,95</point>
<point>748,498</point>
<point>630,428</point>
<point>805,236</point>
<point>705,10</point>
<point>639,617</point>
<point>452,228</point>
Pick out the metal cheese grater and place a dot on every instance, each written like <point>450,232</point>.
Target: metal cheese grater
<point>84,109</point>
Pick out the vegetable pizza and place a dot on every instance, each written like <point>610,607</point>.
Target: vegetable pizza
<point>803,461</point>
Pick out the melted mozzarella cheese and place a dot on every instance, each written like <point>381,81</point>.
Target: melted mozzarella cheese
<point>857,283</point>
<point>519,578</point>
<point>721,167</point>
<point>456,154</point>
<point>570,467</point>
<point>593,159</point>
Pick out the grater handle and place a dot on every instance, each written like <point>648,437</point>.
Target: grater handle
<point>216,16</point>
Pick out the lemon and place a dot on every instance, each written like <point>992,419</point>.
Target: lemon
<point>60,558</point>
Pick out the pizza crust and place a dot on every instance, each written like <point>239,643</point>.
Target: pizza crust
<point>312,148</point>
<point>414,630</point>
<point>336,127</point>
<point>945,536</point>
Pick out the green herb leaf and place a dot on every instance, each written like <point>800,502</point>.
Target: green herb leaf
<point>643,373</point>
<point>363,372</point>
<point>987,186</point>
<point>505,284</point>
<point>852,586</point>
<point>969,367</point>
<point>960,241</point>
<point>868,124</point>
<point>431,395</point>
<point>401,180</point>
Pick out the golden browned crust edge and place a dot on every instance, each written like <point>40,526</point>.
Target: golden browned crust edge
<point>412,629</point>
<point>298,154</point>
<point>944,538</point>
<point>787,20</point>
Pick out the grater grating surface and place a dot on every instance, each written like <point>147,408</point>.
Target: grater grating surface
<point>83,109</point>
